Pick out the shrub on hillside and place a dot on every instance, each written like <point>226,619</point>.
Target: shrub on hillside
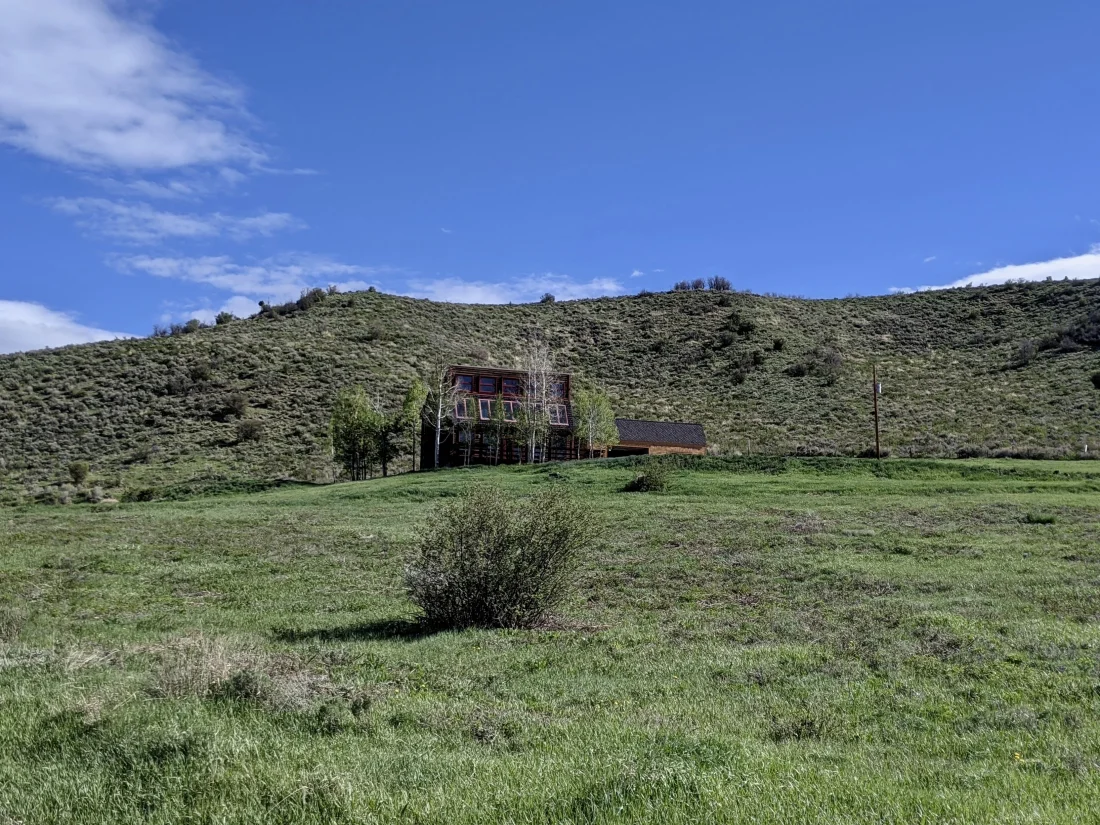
<point>236,404</point>
<point>178,384</point>
<point>829,365</point>
<point>719,284</point>
<point>547,298</point>
<point>655,478</point>
<point>201,371</point>
<point>1096,380</point>
<point>824,360</point>
<point>490,559</point>
<point>375,332</point>
<point>249,429</point>
<point>1025,353</point>
<point>698,285</point>
<point>78,472</point>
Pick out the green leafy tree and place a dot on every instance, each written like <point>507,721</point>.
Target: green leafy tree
<point>594,419</point>
<point>391,428</point>
<point>500,427</point>
<point>538,376</point>
<point>411,408</point>
<point>439,405</point>
<point>353,429</point>
<point>78,472</point>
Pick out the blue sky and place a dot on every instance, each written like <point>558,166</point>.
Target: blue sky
<point>160,161</point>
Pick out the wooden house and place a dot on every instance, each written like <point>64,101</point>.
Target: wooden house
<point>485,424</point>
<point>486,421</point>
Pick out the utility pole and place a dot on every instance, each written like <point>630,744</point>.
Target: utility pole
<point>875,390</point>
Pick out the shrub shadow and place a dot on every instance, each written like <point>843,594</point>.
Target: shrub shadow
<point>407,630</point>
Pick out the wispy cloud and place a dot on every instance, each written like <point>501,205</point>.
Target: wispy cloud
<point>929,259</point>
<point>637,273</point>
<point>26,326</point>
<point>446,231</point>
<point>521,290</point>
<point>141,223</point>
<point>1074,267</point>
<point>281,278</point>
<point>86,85</point>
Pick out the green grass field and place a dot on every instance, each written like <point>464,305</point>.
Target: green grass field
<point>771,641</point>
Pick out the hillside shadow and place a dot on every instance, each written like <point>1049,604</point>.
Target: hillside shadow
<point>407,630</point>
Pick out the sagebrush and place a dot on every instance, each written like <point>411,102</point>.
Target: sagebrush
<point>491,559</point>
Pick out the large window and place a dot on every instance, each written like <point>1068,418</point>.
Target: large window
<point>487,386</point>
<point>464,383</point>
<point>511,410</point>
<point>464,408</point>
<point>486,409</point>
<point>559,414</point>
<point>557,389</point>
<point>511,386</point>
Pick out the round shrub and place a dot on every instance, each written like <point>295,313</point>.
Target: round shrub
<point>1096,380</point>
<point>249,429</point>
<point>78,472</point>
<point>653,479</point>
<point>491,559</point>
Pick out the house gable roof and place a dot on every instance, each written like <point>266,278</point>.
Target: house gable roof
<point>668,433</point>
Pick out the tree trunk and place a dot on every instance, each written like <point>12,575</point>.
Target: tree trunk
<point>438,428</point>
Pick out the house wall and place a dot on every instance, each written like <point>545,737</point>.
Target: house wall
<point>663,449</point>
<point>658,449</point>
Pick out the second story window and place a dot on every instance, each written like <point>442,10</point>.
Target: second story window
<point>464,383</point>
<point>557,389</point>
<point>464,408</point>
<point>558,414</point>
<point>486,409</point>
<point>511,386</point>
<point>511,410</point>
<point>487,386</point>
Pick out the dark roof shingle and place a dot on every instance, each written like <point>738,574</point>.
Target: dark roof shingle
<point>671,433</point>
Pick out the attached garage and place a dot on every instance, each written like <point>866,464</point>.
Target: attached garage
<point>658,438</point>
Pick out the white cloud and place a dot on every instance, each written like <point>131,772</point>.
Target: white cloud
<point>85,85</point>
<point>274,279</point>
<point>1075,267</point>
<point>446,231</point>
<point>929,259</point>
<point>26,326</point>
<point>141,223</point>
<point>637,273</point>
<point>521,290</point>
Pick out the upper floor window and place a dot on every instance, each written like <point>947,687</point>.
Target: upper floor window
<point>486,405</point>
<point>511,410</point>
<point>557,389</point>
<point>487,386</point>
<point>511,386</point>
<point>464,408</point>
<point>559,414</point>
<point>464,383</point>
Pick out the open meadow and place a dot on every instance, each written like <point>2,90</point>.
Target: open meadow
<point>770,641</point>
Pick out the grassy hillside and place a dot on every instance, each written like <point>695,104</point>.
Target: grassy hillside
<point>158,409</point>
<point>818,640</point>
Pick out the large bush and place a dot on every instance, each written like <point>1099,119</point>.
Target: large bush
<point>655,478</point>
<point>490,559</point>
